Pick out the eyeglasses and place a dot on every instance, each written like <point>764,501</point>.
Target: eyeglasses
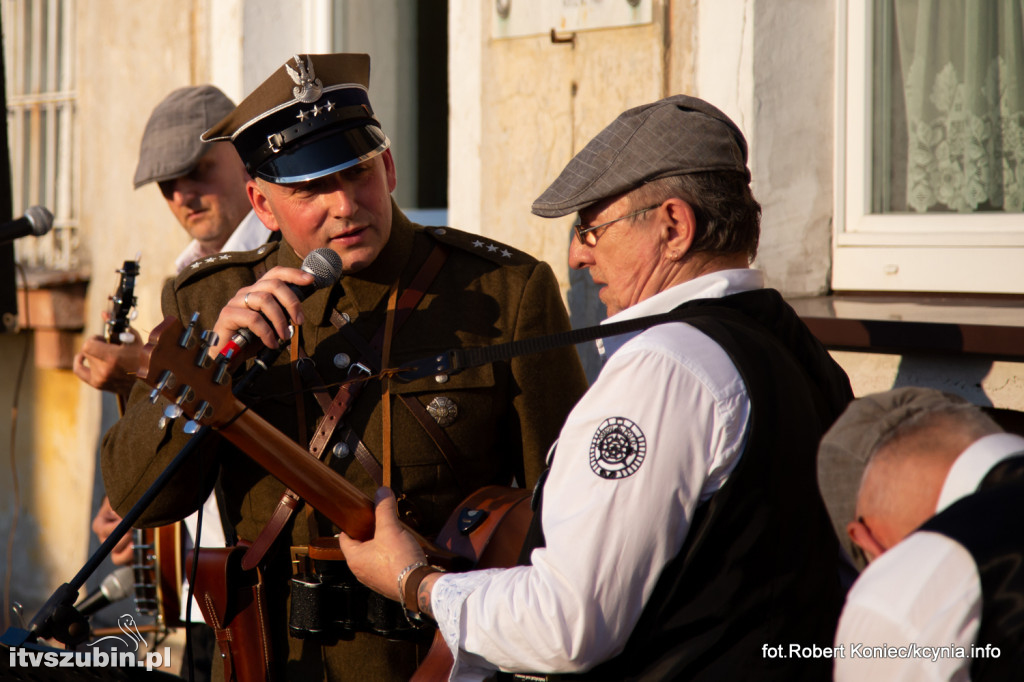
<point>588,236</point>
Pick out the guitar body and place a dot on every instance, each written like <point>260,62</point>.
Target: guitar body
<point>157,565</point>
<point>488,528</point>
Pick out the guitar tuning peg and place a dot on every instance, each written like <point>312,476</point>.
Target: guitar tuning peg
<point>126,337</point>
<point>203,359</point>
<point>133,314</point>
<point>220,375</point>
<point>203,410</point>
<point>210,337</point>
<point>166,381</point>
<point>188,337</point>
<point>185,395</point>
<point>191,426</point>
<point>172,411</point>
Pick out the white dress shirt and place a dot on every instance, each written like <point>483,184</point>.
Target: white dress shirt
<point>249,234</point>
<point>610,526</point>
<point>923,595</point>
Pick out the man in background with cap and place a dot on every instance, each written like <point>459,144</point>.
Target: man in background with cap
<point>323,174</point>
<point>939,516</point>
<point>682,534</point>
<point>204,187</point>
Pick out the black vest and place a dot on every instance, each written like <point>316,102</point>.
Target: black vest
<point>760,562</point>
<point>990,525</point>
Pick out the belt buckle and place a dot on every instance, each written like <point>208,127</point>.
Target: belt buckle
<point>357,367</point>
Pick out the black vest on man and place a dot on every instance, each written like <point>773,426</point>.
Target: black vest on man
<point>990,525</point>
<point>760,563</point>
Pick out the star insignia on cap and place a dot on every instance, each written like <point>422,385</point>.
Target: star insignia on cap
<point>196,264</point>
<point>301,115</point>
<point>506,253</point>
<point>329,106</point>
<point>478,244</point>
<point>315,110</point>
<point>492,247</point>
<point>224,256</point>
<point>211,259</point>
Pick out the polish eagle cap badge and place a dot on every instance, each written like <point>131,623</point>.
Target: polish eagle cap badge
<point>308,87</point>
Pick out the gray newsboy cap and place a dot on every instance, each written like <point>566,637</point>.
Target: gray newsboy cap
<point>846,447</point>
<point>673,136</point>
<point>170,145</point>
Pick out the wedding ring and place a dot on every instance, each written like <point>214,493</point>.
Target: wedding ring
<point>245,301</point>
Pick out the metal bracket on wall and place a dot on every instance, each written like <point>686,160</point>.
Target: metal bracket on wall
<point>555,38</point>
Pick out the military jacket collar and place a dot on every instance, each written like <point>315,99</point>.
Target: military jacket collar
<point>366,289</point>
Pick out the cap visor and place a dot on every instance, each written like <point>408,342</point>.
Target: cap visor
<point>334,152</point>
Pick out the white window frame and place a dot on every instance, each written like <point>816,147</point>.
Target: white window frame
<point>59,249</point>
<point>971,253</point>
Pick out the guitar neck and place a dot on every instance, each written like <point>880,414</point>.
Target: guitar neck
<point>284,459</point>
<point>319,485</point>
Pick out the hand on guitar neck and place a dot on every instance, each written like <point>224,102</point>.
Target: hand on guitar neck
<point>385,562</point>
<point>111,361</point>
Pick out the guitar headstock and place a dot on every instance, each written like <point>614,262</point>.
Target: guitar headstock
<point>177,364</point>
<point>122,304</point>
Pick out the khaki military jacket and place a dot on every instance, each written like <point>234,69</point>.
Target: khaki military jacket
<point>506,414</point>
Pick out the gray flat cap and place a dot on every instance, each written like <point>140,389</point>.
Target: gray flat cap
<point>845,448</point>
<point>673,136</point>
<point>170,145</point>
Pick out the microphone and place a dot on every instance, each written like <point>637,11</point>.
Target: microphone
<point>114,587</point>
<point>325,266</point>
<point>36,221</point>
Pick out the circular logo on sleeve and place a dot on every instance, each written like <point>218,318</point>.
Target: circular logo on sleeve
<point>618,448</point>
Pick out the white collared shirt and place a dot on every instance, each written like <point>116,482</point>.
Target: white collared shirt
<point>925,591</point>
<point>610,524</point>
<point>250,234</point>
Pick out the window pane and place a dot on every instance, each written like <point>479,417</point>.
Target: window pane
<point>948,111</point>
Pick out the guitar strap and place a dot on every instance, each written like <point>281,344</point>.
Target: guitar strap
<point>343,399</point>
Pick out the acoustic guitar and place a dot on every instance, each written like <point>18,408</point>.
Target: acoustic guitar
<point>486,530</point>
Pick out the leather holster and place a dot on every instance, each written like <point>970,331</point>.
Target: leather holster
<point>233,603</point>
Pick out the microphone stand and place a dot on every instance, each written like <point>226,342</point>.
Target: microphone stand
<point>58,618</point>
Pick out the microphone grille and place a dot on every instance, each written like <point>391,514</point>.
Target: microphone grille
<point>325,266</point>
<point>41,220</point>
<point>119,584</point>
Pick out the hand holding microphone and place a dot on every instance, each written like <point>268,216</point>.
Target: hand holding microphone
<point>264,310</point>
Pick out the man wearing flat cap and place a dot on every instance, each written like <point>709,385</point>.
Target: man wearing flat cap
<point>322,175</point>
<point>681,534</point>
<point>939,516</point>
<point>204,187</point>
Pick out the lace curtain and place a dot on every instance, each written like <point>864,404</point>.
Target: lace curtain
<point>961,63</point>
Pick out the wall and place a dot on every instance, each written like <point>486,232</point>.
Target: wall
<point>129,56</point>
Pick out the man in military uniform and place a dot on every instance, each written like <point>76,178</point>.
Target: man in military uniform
<point>322,175</point>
